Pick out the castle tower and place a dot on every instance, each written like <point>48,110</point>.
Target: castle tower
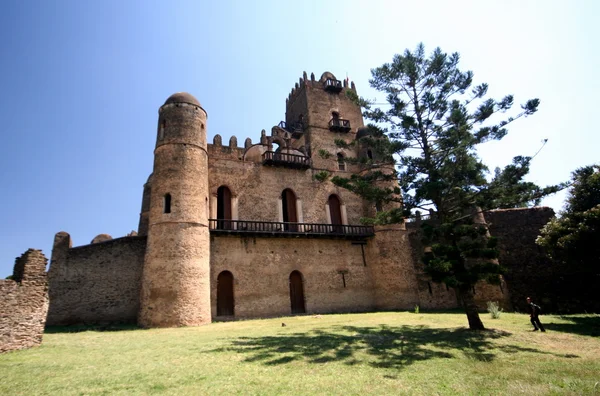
<point>176,275</point>
<point>327,114</point>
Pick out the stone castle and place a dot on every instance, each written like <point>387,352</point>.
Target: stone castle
<point>230,232</point>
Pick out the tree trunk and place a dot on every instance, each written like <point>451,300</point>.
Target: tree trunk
<point>468,301</point>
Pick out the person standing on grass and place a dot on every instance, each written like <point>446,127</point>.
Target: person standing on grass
<point>534,315</point>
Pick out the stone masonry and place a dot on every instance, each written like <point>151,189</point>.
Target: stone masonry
<point>230,232</point>
<point>24,303</point>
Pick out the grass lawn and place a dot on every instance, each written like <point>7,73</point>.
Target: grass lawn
<point>378,353</point>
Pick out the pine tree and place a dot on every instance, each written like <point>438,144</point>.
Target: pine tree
<point>430,133</point>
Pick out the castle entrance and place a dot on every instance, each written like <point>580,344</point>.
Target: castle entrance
<point>225,301</point>
<point>297,293</point>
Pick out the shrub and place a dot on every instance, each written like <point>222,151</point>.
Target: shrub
<point>494,309</point>
<point>416,309</point>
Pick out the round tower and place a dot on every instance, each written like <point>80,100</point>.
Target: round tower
<point>176,275</point>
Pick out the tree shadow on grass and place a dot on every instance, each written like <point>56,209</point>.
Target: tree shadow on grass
<point>587,325</point>
<point>381,347</point>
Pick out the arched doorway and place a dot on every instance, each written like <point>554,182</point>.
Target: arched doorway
<point>223,208</point>
<point>297,293</point>
<point>225,302</point>
<point>335,213</point>
<point>288,202</point>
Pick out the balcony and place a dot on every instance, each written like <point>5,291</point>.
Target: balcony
<point>281,229</point>
<point>339,125</point>
<point>332,85</point>
<point>276,158</point>
<point>295,128</point>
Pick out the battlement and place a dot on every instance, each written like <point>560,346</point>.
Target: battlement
<point>327,82</point>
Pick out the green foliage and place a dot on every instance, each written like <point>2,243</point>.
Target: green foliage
<point>494,309</point>
<point>573,237</point>
<point>11,277</point>
<point>431,131</point>
<point>416,309</point>
<point>322,176</point>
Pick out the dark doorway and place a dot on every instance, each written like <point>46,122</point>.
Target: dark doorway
<point>288,201</point>
<point>297,293</point>
<point>335,211</point>
<point>223,208</point>
<point>225,294</point>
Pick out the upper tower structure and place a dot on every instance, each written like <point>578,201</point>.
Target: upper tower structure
<point>176,274</point>
<point>326,113</point>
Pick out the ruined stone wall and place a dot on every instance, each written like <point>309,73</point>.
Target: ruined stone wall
<point>98,283</point>
<point>261,268</point>
<point>24,303</point>
<point>529,271</point>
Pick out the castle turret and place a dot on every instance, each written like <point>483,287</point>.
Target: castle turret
<point>176,275</point>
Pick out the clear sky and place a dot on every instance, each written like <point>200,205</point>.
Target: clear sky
<point>82,82</point>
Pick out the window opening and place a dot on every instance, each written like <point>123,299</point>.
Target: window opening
<point>341,163</point>
<point>167,203</point>
<point>288,203</point>
<point>224,208</point>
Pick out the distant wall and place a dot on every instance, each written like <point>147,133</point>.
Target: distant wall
<point>529,271</point>
<point>98,283</point>
<point>24,303</point>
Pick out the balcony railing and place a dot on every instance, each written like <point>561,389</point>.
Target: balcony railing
<point>339,125</point>
<point>332,85</point>
<point>296,128</point>
<point>282,229</point>
<point>288,160</point>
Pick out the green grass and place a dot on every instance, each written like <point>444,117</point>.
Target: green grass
<point>379,353</point>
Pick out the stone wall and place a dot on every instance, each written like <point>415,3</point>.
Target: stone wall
<point>257,189</point>
<point>24,303</point>
<point>261,268</point>
<point>97,283</point>
<point>529,271</point>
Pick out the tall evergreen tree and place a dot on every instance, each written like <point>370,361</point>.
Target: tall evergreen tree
<point>431,131</point>
<point>572,238</point>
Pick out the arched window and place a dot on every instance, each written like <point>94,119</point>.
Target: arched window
<point>297,293</point>
<point>369,154</point>
<point>341,163</point>
<point>335,213</point>
<point>223,208</point>
<point>167,203</point>
<point>225,300</point>
<point>378,206</point>
<point>335,119</point>
<point>288,203</point>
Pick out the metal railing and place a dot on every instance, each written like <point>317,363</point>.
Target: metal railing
<point>273,228</point>
<point>333,85</point>
<point>285,159</point>
<point>339,124</point>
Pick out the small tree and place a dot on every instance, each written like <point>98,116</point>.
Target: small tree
<point>573,237</point>
<point>430,132</point>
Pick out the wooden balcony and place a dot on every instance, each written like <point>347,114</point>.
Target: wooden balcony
<point>295,128</point>
<point>332,85</point>
<point>281,229</point>
<point>339,125</point>
<point>276,158</point>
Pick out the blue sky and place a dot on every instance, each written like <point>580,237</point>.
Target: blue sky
<point>82,83</point>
